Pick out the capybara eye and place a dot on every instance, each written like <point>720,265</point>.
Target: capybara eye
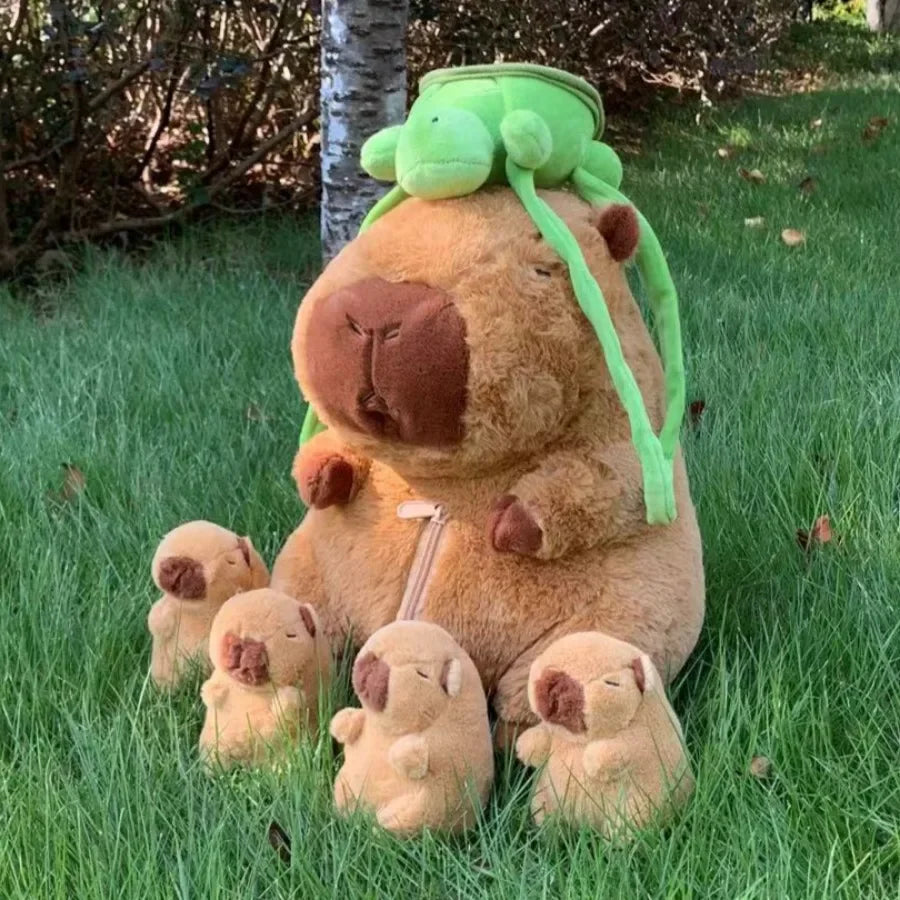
<point>544,273</point>
<point>290,634</point>
<point>611,683</point>
<point>421,674</point>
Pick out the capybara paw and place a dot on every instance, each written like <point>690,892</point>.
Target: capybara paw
<point>513,529</point>
<point>324,481</point>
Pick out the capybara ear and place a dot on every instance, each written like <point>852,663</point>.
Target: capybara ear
<point>451,677</point>
<point>643,673</point>
<point>619,227</point>
<point>244,546</point>
<point>245,660</point>
<point>370,681</point>
<point>309,619</point>
<point>560,700</point>
<point>183,577</point>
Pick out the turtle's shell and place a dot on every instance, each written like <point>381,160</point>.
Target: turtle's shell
<point>499,71</point>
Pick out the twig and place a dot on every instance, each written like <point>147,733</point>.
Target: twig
<point>151,222</point>
<point>118,85</point>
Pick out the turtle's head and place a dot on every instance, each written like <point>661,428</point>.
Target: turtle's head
<point>443,152</point>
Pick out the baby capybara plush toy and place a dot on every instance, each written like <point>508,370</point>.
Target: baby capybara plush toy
<point>609,742</point>
<point>269,659</point>
<point>419,751</point>
<point>197,566</point>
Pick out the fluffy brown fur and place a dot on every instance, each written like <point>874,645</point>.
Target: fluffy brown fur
<point>419,751</point>
<point>269,658</point>
<point>198,566</point>
<point>609,746</point>
<point>547,532</point>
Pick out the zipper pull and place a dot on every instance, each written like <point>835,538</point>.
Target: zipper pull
<point>418,509</point>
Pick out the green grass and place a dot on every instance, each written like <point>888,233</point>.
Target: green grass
<point>141,373</point>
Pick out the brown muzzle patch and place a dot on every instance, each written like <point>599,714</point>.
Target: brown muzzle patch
<point>182,577</point>
<point>560,700</point>
<point>370,681</point>
<point>391,360</point>
<point>245,659</point>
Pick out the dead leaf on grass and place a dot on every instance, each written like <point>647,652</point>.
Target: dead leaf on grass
<point>754,176</point>
<point>808,186</point>
<point>728,151</point>
<point>793,237</point>
<point>760,767</point>
<point>755,222</point>
<point>819,534</point>
<point>815,124</point>
<point>874,127</point>
<point>280,842</point>
<point>255,414</point>
<point>695,412</point>
<point>73,483</point>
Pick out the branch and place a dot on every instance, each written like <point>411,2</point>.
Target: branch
<point>151,222</point>
<point>269,52</point>
<point>118,85</point>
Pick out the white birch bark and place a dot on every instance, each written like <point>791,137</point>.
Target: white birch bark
<point>363,90</point>
<point>883,15</point>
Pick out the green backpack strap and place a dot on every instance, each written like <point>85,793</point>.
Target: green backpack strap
<point>663,298</point>
<point>656,466</point>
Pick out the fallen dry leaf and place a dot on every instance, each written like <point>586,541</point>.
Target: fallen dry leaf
<point>73,482</point>
<point>280,842</point>
<point>808,185</point>
<point>874,127</point>
<point>695,412</point>
<point>255,414</point>
<point>815,124</point>
<point>793,237</point>
<point>760,767</point>
<point>755,222</point>
<point>752,175</point>
<point>728,151</point>
<point>820,534</point>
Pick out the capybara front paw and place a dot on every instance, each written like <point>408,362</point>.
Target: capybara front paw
<point>324,480</point>
<point>513,529</point>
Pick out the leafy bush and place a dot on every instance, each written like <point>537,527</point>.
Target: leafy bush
<point>124,115</point>
<point>625,48</point>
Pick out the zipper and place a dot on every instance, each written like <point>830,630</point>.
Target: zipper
<point>426,553</point>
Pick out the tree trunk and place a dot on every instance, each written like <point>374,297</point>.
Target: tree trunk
<point>883,15</point>
<point>363,90</point>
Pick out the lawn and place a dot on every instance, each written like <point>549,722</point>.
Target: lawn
<point>163,384</point>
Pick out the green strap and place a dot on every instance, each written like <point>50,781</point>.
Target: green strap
<point>663,301</point>
<point>659,491</point>
<point>394,197</point>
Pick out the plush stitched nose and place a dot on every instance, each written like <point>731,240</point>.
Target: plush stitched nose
<point>390,360</point>
<point>370,681</point>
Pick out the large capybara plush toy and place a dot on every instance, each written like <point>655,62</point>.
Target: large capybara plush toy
<point>197,566</point>
<point>609,746</point>
<point>446,353</point>
<point>419,751</point>
<point>270,660</point>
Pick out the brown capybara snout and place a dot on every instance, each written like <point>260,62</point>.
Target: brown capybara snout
<point>390,360</point>
<point>560,700</point>
<point>370,681</point>
<point>245,660</point>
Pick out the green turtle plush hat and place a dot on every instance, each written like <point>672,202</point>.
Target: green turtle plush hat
<point>532,126</point>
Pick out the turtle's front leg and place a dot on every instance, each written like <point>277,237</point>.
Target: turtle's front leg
<point>526,138</point>
<point>601,161</point>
